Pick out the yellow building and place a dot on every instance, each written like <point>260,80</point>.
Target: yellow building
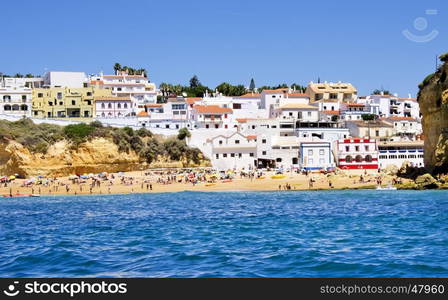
<point>66,102</point>
<point>340,92</point>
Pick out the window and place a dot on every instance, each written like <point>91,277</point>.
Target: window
<point>89,94</point>
<point>40,95</point>
<point>59,95</point>
<point>217,156</point>
<point>102,105</point>
<point>167,126</point>
<point>367,147</point>
<point>321,161</point>
<point>109,105</point>
<point>240,155</point>
<point>278,159</point>
<point>224,155</point>
<point>377,133</point>
<point>232,154</point>
<point>368,158</point>
<point>347,149</point>
<point>310,152</point>
<point>220,142</point>
<point>348,159</point>
<point>73,102</point>
<point>125,105</point>
<point>263,153</point>
<point>119,105</point>
<point>357,148</point>
<point>310,161</point>
<point>263,141</point>
<point>236,106</point>
<point>321,152</point>
<point>23,97</point>
<point>237,141</point>
<point>251,154</point>
<point>358,158</point>
<point>309,114</point>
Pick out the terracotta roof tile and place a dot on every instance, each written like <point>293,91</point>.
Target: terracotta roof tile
<point>212,109</point>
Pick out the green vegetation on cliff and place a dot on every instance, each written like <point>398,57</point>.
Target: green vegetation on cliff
<point>39,137</point>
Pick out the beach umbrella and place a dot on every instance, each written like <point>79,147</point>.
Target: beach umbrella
<point>12,177</point>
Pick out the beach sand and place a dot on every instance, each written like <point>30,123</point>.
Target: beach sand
<point>142,184</point>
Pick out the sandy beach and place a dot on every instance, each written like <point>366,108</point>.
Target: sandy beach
<point>156,182</point>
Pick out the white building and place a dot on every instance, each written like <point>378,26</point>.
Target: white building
<point>136,87</point>
<point>273,99</point>
<point>65,79</point>
<point>405,127</point>
<point>112,107</point>
<point>212,117</point>
<point>396,153</point>
<point>297,111</point>
<point>235,151</point>
<point>357,153</point>
<point>355,111</point>
<point>316,155</point>
<point>370,129</point>
<point>388,106</point>
<point>15,97</point>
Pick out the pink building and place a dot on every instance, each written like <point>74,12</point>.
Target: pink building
<point>112,107</point>
<point>357,153</point>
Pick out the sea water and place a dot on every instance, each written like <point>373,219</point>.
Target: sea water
<point>227,234</point>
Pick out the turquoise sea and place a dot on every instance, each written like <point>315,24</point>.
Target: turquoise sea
<point>228,234</point>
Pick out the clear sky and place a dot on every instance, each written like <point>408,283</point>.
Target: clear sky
<point>272,41</point>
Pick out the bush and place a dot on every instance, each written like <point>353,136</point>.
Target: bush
<point>183,133</point>
<point>96,124</point>
<point>128,130</point>
<point>175,148</point>
<point>78,133</point>
<point>143,132</point>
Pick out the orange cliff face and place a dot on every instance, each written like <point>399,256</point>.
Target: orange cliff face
<point>95,156</point>
<point>98,155</point>
<point>433,101</point>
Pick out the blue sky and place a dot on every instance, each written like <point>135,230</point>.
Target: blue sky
<point>272,41</point>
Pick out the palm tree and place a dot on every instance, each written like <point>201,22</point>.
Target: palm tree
<point>117,67</point>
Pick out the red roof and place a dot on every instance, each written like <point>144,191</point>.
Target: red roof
<point>251,137</point>
<point>355,105</point>
<point>297,95</point>
<point>401,119</point>
<point>192,100</point>
<point>153,105</point>
<point>331,112</point>
<point>212,109</point>
<point>142,114</point>
<point>277,91</point>
<point>249,95</point>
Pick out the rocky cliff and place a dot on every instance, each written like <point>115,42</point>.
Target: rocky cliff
<point>94,156</point>
<point>433,101</point>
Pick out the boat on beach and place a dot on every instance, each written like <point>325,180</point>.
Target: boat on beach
<point>386,188</point>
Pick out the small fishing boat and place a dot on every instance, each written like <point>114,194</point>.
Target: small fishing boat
<point>20,195</point>
<point>386,188</point>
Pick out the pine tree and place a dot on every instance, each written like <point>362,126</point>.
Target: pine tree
<point>252,85</point>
